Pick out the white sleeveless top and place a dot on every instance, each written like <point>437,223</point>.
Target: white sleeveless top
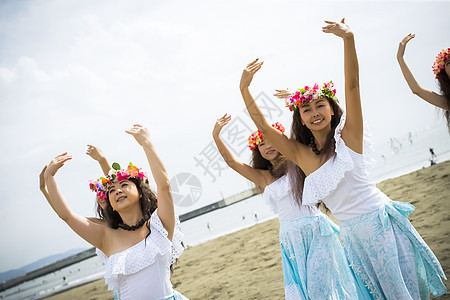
<point>342,182</point>
<point>143,270</point>
<point>278,195</point>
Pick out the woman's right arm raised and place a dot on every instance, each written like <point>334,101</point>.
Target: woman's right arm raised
<point>429,96</point>
<point>92,232</point>
<point>97,155</point>
<point>259,177</point>
<point>289,148</point>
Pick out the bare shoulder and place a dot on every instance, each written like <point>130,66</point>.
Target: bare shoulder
<point>97,221</point>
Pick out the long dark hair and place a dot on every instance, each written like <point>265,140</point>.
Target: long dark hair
<point>277,168</point>
<point>302,134</point>
<point>101,214</point>
<point>444,85</point>
<point>147,201</point>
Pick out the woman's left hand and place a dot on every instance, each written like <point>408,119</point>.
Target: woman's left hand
<point>55,164</point>
<point>338,28</point>
<point>282,94</point>
<point>249,71</point>
<point>140,133</point>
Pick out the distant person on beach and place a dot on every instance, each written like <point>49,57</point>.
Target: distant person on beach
<point>441,70</point>
<point>329,148</point>
<point>142,237</point>
<point>433,157</point>
<point>313,260</point>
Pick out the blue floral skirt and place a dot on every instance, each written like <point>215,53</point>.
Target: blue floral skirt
<point>314,262</point>
<point>389,255</point>
<point>176,296</point>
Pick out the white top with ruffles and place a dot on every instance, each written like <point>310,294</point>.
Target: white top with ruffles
<point>278,195</point>
<point>143,270</point>
<point>342,182</point>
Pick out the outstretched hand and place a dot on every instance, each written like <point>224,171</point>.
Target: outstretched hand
<point>55,164</point>
<point>140,133</point>
<point>282,94</point>
<point>94,152</point>
<point>338,28</point>
<point>249,71</point>
<point>220,123</point>
<point>402,45</point>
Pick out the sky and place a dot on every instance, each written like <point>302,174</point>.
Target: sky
<point>74,73</point>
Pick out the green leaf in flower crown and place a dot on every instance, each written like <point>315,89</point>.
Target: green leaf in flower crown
<point>116,166</point>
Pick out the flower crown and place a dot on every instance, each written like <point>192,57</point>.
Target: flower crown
<point>439,64</point>
<point>100,186</point>
<point>311,93</point>
<point>256,137</point>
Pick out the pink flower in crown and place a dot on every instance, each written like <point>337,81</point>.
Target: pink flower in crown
<point>101,195</point>
<point>122,176</point>
<point>439,64</point>
<point>315,88</point>
<point>256,137</point>
<point>309,94</point>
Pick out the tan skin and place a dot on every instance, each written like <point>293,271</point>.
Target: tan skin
<point>352,132</point>
<point>97,155</point>
<point>44,191</point>
<point>427,95</point>
<point>100,235</point>
<point>257,176</point>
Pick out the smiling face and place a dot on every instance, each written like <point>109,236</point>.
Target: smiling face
<point>267,150</point>
<point>123,194</point>
<point>316,115</point>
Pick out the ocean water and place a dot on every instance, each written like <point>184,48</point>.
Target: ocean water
<point>397,156</point>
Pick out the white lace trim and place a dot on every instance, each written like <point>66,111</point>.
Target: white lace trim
<point>324,180</point>
<point>320,184</point>
<point>144,253</point>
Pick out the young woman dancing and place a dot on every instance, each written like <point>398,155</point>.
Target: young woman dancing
<point>100,203</point>
<point>382,246</point>
<point>441,70</point>
<point>138,257</point>
<point>313,260</point>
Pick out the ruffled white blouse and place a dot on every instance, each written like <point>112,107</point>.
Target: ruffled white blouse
<point>279,196</point>
<point>342,182</point>
<point>143,270</point>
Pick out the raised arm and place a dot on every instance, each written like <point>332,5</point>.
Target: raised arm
<point>92,232</point>
<point>166,210</point>
<point>42,185</point>
<point>352,132</point>
<point>97,155</point>
<point>289,148</point>
<point>429,96</point>
<point>259,177</point>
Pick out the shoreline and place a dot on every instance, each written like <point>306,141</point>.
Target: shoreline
<point>218,268</point>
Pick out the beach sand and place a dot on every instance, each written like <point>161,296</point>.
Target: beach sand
<point>247,264</point>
